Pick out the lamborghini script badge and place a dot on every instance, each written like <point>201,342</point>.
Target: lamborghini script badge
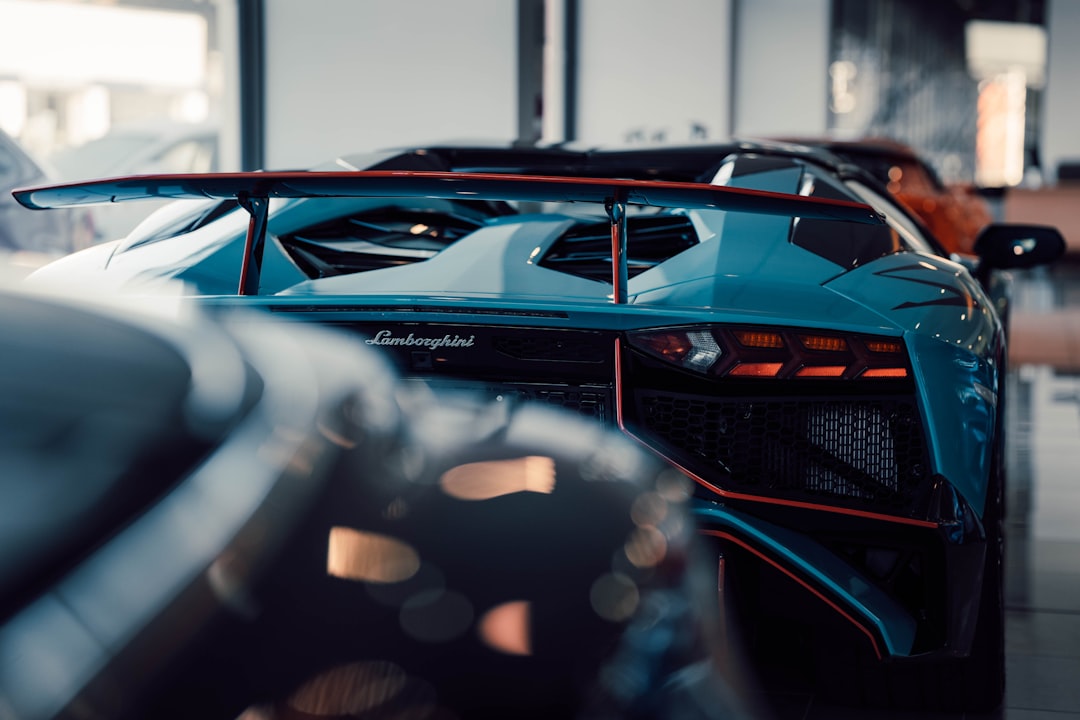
<point>386,338</point>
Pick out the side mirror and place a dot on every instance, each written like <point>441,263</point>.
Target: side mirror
<point>1003,246</point>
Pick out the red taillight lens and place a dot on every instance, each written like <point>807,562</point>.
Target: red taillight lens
<point>821,371</point>
<point>766,352</point>
<point>691,349</point>
<point>884,346</point>
<point>825,343</point>
<point>669,346</point>
<point>884,373</point>
<point>759,339</point>
<point>756,370</point>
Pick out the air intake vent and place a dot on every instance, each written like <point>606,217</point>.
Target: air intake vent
<point>867,453</point>
<point>570,349</point>
<point>585,250</point>
<point>589,401</point>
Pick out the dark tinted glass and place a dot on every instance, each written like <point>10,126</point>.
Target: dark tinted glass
<point>846,244</point>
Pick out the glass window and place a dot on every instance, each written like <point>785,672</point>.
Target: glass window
<point>843,243</point>
<point>898,220</point>
<point>164,104</point>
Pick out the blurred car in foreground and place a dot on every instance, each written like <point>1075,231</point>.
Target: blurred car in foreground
<point>235,515</point>
<point>32,239</point>
<point>825,376</point>
<point>955,212</point>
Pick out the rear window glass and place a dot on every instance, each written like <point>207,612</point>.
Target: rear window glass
<point>846,244</point>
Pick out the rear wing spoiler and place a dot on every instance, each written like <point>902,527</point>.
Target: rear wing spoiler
<point>253,191</point>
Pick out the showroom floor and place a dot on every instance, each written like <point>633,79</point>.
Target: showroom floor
<point>1042,582</point>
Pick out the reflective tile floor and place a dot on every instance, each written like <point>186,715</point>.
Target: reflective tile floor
<point>1042,583</point>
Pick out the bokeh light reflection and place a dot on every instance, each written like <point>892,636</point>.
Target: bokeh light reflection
<point>349,689</point>
<point>494,478</point>
<point>673,486</point>
<point>369,557</point>
<point>646,547</point>
<point>506,628</point>
<point>649,509</point>
<point>614,597</point>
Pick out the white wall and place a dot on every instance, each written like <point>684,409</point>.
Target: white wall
<point>1061,101</point>
<point>353,75</point>
<point>648,67</point>
<point>781,67</point>
<point>349,75</point>
<point>228,120</point>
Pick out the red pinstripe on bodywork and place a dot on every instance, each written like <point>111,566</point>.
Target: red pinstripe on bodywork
<point>843,613</point>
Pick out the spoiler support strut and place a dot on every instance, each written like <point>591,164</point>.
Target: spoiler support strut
<point>616,211</point>
<point>251,267</point>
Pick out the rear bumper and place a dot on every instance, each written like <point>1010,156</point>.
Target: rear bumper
<point>881,618</point>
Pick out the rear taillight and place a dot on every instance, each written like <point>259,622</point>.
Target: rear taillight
<point>691,349</point>
<point>758,352</point>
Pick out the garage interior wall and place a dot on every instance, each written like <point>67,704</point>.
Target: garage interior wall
<point>1061,99</point>
<point>781,67</point>
<point>343,76</point>
<point>653,71</point>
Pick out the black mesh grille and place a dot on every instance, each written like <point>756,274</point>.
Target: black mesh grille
<point>549,348</point>
<point>868,451</point>
<point>590,402</point>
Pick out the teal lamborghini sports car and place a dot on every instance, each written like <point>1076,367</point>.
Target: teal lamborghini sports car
<point>764,319</point>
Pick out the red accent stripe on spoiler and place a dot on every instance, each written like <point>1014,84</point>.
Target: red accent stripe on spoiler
<point>445,185</point>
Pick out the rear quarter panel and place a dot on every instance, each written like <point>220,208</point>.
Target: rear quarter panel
<point>956,344</point>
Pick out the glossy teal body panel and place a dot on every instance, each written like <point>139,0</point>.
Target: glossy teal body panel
<point>491,262</point>
<point>761,280</point>
<point>955,341</point>
<point>958,392</point>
